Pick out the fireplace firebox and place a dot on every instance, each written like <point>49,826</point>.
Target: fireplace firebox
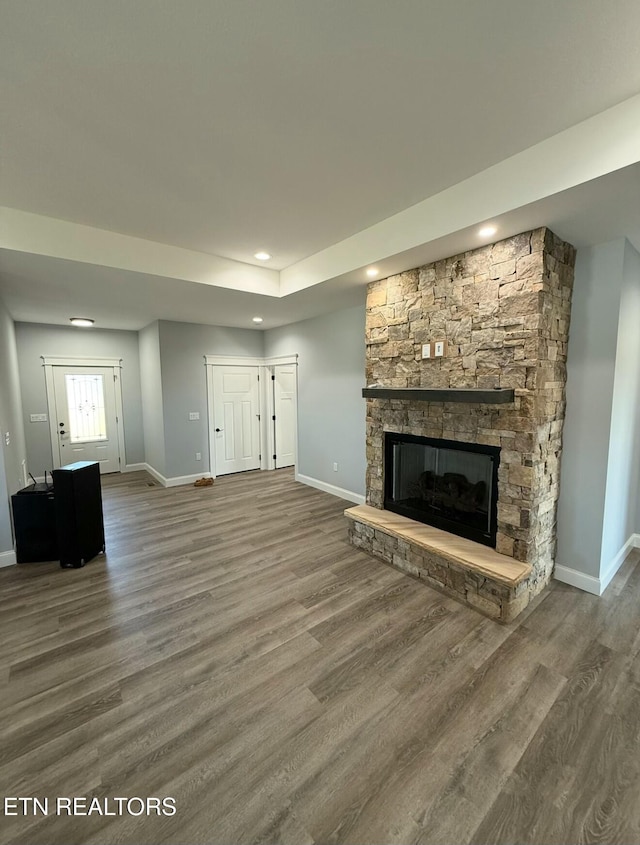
<point>444,483</point>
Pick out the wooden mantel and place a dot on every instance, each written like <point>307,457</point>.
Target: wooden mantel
<point>491,396</point>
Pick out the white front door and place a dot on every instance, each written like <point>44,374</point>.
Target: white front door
<point>84,407</point>
<point>236,419</point>
<point>284,403</point>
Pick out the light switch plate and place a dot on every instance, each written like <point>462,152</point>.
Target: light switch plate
<point>194,415</point>
<point>426,350</point>
<point>439,348</point>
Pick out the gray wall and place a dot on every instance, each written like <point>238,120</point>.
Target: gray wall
<point>151,391</point>
<point>600,473</point>
<point>331,410</point>
<point>632,283</point>
<point>13,454</point>
<point>590,375</point>
<point>6,539</point>
<point>621,502</point>
<point>34,340</point>
<point>184,387</point>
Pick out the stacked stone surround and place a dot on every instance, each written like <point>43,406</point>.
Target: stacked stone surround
<point>504,310</point>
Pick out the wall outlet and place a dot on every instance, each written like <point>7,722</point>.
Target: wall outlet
<point>426,350</point>
<point>198,456</point>
<point>194,415</point>
<point>38,417</point>
<point>335,466</point>
<point>7,439</point>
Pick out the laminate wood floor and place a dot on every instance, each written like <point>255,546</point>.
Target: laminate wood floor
<point>232,651</point>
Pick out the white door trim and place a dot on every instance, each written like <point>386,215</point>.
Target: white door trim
<point>269,440</point>
<point>212,447</point>
<point>79,361</point>
<point>238,361</point>
<point>232,361</point>
<point>51,361</point>
<point>266,401</point>
<point>281,359</point>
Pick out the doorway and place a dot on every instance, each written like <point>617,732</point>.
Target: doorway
<point>85,411</point>
<point>252,405</point>
<point>284,381</point>
<point>236,419</point>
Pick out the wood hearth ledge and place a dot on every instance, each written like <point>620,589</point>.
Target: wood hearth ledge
<point>477,575</point>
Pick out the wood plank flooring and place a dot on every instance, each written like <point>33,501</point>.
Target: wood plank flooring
<point>232,651</point>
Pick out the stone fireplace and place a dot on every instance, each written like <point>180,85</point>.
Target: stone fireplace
<point>503,314</point>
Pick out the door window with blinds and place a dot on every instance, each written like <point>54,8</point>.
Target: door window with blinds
<point>86,407</point>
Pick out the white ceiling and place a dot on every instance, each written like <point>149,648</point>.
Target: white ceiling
<point>224,127</point>
<point>126,300</point>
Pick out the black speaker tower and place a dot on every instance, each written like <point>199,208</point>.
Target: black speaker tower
<point>78,506</point>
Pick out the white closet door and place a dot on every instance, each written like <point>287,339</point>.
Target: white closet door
<point>236,419</point>
<point>285,409</point>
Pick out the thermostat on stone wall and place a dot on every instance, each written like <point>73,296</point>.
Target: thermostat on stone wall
<point>426,350</point>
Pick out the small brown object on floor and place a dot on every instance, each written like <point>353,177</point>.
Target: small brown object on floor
<point>203,482</point>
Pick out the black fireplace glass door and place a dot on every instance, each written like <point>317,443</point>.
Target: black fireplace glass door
<point>443,483</point>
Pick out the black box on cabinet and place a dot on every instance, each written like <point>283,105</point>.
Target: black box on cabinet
<point>78,506</point>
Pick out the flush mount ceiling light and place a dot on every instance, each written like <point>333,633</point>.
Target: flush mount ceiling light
<point>487,231</point>
<point>257,319</point>
<point>86,322</point>
<point>372,271</point>
<point>262,256</point>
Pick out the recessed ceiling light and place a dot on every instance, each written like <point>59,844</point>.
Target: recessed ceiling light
<point>262,256</point>
<point>257,319</point>
<point>82,321</point>
<point>487,231</point>
<point>372,271</point>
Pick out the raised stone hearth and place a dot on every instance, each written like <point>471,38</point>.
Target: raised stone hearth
<point>504,311</point>
<point>495,585</point>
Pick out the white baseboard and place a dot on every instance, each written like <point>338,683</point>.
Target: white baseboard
<point>330,488</point>
<point>616,563</point>
<point>7,558</point>
<point>588,583</point>
<point>128,468</point>
<point>176,481</point>
<point>180,480</point>
<point>155,474</point>
<point>135,467</point>
<point>577,579</point>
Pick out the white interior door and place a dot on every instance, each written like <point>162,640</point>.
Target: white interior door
<point>236,419</point>
<point>284,403</point>
<point>86,429</point>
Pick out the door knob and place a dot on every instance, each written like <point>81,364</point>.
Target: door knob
<point>62,431</point>
<point>218,429</point>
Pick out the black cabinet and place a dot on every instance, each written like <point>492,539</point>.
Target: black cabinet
<point>34,524</point>
<point>78,509</point>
